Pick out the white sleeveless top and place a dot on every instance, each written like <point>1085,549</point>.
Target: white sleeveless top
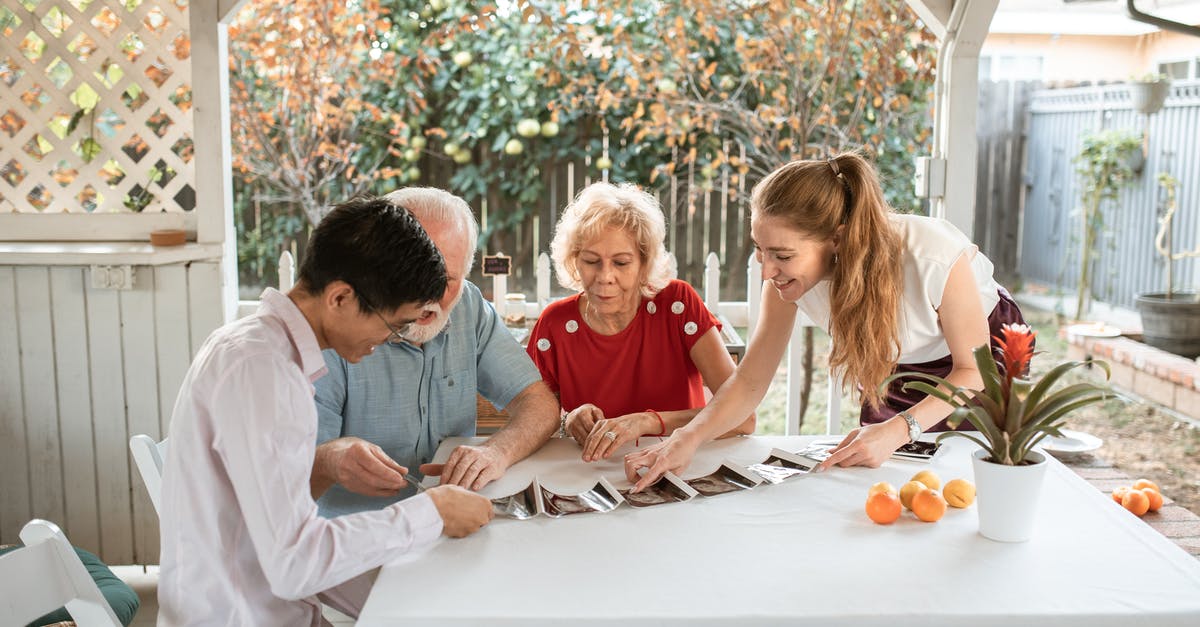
<point>929,247</point>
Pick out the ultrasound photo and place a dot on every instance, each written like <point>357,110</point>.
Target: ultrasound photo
<point>724,480</point>
<point>598,499</point>
<point>781,466</point>
<point>521,506</point>
<point>663,491</point>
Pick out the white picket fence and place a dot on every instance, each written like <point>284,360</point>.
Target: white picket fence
<point>738,313</point>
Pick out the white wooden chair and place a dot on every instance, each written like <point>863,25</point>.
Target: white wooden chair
<point>45,575</point>
<point>149,457</point>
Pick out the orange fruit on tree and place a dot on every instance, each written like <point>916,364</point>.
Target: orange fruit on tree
<point>909,490</point>
<point>1136,501</point>
<point>928,505</point>
<point>929,478</point>
<point>883,507</point>
<point>1156,500</point>
<point>1118,494</point>
<point>1146,483</point>
<point>959,493</point>
<point>883,486</point>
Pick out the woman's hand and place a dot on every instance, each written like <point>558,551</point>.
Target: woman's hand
<point>648,465</point>
<point>581,420</point>
<point>624,429</point>
<point>868,446</point>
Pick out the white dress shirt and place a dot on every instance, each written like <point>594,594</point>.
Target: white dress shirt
<point>242,543</point>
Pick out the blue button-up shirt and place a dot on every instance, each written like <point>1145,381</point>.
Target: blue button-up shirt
<point>407,399</point>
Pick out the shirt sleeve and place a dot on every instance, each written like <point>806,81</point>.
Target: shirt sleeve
<point>331,398</point>
<point>504,370</point>
<point>695,312</point>
<point>542,359</point>
<point>264,420</point>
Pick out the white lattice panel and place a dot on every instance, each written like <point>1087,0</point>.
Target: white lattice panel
<point>126,66</point>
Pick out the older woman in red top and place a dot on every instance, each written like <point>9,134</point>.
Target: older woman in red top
<point>631,353</point>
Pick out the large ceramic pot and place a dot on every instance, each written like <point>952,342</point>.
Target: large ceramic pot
<point>1172,324</point>
<point>1008,496</point>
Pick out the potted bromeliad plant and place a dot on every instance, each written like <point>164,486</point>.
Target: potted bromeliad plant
<point>1011,414</point>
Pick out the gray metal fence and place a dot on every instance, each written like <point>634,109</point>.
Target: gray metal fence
<point>1127,263</point>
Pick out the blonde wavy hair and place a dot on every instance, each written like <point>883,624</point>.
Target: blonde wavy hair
<point>868,280</point>
<point>602,206</point>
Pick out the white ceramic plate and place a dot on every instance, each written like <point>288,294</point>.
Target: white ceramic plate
<point>1094,330</point>
<point>1072,442</point>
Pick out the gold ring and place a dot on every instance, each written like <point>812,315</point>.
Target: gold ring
<point>612,435</point>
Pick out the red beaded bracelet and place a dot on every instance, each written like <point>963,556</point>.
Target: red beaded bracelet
<point>662,425</point>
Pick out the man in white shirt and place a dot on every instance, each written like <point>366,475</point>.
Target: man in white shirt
<point>242,543</point>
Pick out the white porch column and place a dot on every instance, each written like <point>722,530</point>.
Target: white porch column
<point>211,137</point>
<point>961,25</point>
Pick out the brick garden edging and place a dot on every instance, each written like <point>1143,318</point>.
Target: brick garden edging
<point>1153,374</point>
<point>1175,522</point>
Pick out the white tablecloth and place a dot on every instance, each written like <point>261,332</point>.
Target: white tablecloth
<point>799,553</point>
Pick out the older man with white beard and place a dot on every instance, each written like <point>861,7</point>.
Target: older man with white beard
<point>385,416</point>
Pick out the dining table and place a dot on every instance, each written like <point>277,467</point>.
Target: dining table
<point>800,552</point>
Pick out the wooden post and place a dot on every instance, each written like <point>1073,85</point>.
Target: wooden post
<point>287,272</point>
<point>543,283</point>
<point>712,282</point>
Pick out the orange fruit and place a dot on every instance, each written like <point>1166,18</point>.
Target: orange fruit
<point>1118,494</point>
<point>929,478</point>
<point>959,493</point>
<point>909,490</point>
<point>1156,500</point>
<point>1146,483</point>
<point>882,486</point>
<point>1136,501</point>
<point>883,508</point>
<point>928,505</point>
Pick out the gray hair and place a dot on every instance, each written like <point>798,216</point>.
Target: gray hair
<point>440,206</point>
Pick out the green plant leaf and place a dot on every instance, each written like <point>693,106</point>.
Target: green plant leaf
<point>89,149</point>
<point>75,118</point>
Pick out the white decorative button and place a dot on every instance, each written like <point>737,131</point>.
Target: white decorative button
<point>543,345</point>
<point>651,307</point>
<point>572,326</point>
<point>677,307</point>
<point>690,328</point>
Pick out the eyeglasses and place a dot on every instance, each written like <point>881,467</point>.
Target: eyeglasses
<point>397,333</point>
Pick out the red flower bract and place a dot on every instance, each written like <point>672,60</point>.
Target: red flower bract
<point>1016,344</point>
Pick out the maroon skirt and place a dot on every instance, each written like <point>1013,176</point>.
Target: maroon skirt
<point>897,399</point>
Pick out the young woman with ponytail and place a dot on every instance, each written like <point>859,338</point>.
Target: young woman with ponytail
<point>897,293</point>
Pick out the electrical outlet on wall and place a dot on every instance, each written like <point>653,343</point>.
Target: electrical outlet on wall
<point>112,277</point>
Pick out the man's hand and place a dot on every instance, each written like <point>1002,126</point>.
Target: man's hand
<point>471,467</point>
<point>582,420</point>
<point>360,467</point>
<point>462,512</point>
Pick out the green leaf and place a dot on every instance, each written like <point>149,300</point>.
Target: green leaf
<point>89,149</point>
<point>75,118</point>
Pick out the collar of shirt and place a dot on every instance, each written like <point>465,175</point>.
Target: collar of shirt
<point>278,305</point>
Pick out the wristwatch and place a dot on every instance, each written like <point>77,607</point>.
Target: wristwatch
<point>914,427</point>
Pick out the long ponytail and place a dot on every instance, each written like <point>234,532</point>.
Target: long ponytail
<point>817,197</point>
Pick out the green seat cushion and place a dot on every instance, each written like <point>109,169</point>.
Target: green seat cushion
<point>123,600</point>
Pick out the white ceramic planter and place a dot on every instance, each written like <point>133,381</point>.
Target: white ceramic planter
<point>1008,496</point>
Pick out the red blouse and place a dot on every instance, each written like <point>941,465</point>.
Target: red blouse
<point>646,366</point>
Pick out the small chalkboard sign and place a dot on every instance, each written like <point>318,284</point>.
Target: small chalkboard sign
<point>497,265</point>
